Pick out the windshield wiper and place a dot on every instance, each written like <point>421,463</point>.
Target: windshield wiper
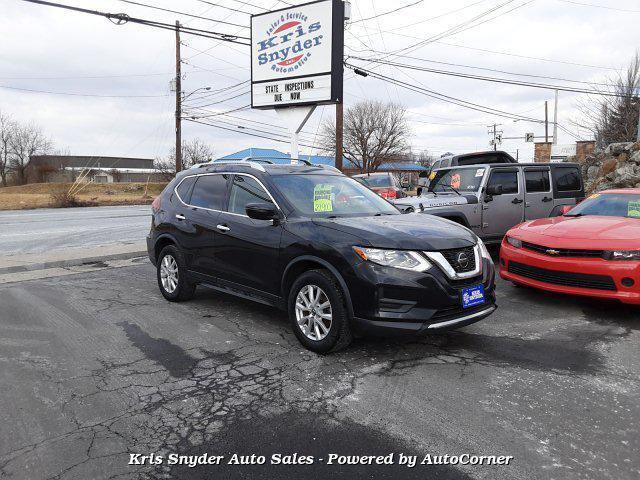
<point>452,188</point>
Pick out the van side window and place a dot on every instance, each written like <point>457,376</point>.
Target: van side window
<point>508,180</point>
<point>537,181</point>
<point>209,192</point>
<point>567,179</point>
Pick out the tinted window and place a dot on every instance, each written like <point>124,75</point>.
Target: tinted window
<point>209,192</point>
<point>567,179</point>
<point>508,180</point>
<point>537,181</point>
<point>246,190</point>
<point>184,189</point>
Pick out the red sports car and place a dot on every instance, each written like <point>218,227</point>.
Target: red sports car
<point>592,250</point>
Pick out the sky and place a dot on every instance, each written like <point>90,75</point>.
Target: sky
<point>97,88</point>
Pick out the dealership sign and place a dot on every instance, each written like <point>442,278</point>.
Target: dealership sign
<point>296,55</point>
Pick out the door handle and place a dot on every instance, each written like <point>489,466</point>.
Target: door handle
<point>223,228</point>
<point>546,199</point>
<point>516,201</point>
<point>180,216</point>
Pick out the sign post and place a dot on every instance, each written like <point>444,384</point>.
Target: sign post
<point>296,61</point>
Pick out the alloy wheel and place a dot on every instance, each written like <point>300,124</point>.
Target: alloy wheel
<point>169,273</point>
<point>313,312</point>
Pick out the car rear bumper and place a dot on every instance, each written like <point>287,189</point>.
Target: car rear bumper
<point>590,277</point>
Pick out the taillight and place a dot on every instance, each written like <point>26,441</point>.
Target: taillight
<point>155,205</point>
<point>387,193</point>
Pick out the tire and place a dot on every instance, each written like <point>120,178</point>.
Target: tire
<point>335,335</point>
<point>169,257</point>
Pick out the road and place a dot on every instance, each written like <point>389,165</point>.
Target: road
<point>42,230</point>
<point>98,365</point>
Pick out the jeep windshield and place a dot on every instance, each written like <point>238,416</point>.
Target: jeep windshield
<point>456,180</point>
<point>330,196</point>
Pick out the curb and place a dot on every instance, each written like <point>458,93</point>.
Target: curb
<point>70,262</point>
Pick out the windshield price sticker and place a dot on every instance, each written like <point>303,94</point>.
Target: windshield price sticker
<point>633,209</point>
<point>322,198</point>
<point>455,181</point>
<point>479,172</point>
<point>432,175</point>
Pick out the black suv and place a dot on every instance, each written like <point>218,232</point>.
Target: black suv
<point>310,240</point>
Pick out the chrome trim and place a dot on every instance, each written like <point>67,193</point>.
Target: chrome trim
<point>462,319</point>
<point>223,228</point>
<point>445,266</point>
<point>175,190</point>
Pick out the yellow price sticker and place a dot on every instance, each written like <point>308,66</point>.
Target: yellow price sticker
<point>322,198</point>
<point>633,209</point>
<point>594,195</point>
<point>432,175</point>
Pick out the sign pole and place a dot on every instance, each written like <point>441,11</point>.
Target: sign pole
<point>339,135</point>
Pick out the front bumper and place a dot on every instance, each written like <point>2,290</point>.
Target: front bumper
<point>390,300</point>
<point>615,270</point>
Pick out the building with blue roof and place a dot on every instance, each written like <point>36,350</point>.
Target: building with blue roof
<point>279,157</point>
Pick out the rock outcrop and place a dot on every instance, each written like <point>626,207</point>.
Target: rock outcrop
<point>618,166</point>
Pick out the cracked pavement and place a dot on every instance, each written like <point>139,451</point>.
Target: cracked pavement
<point>96,365</point>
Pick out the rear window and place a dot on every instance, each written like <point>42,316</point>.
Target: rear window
<point>376,181</point>
<point>209,192</point>
<point>567,179</point>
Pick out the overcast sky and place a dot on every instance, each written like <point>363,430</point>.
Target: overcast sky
<point>52,50</point>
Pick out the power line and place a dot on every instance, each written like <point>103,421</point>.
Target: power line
<point>492,79</point>
<point>184,13</point>
<point>233,9</point>
<point>582,4</point>
<point>10,87</point>
<point>122,18</point>
<point>388,12</point>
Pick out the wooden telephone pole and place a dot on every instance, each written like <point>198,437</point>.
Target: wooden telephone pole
<point>178,101</point>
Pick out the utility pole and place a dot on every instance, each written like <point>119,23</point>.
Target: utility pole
<point>178,101</point>
<point>339,135</point>
<point>497,135</point>
<point>555,120</point>
<point>546,121</point>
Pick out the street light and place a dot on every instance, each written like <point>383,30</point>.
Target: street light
<point>195,91</point>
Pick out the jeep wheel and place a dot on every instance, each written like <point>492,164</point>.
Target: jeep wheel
<point>318,313</point>
<point>172,275</point>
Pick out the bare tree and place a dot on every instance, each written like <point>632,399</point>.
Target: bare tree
<point>614,119</point>
<point>374,133</point>
<point>193,151</point>
<point>27,140</point>
<point>7,128</point>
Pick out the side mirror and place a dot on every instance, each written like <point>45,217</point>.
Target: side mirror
<point>262,211</point>
<point>565,208</point>
<point>493,190</point>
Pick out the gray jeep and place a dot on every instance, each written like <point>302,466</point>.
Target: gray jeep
<point>490,199</point>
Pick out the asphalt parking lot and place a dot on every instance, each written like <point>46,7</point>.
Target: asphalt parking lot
<point>97,365</point>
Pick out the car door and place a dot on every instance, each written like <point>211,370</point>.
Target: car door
<point>501,212</point>
<point>247,250</point>
<point>538,198</point>
<point>208,199</point>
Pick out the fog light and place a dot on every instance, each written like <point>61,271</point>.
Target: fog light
<point>627,282</point>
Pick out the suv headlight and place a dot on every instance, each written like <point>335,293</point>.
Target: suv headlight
<point>403,259</point>
<point>483,249</point>
<point>514,242</point>
<point>622,255</point>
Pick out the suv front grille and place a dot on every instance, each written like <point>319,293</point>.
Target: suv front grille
<point>568,279</point>
<point>562,252</point>
<point>462,260</point>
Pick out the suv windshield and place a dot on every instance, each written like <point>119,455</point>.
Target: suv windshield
<point>457,180</point>
<point>609,204</point>
<point>331,196</point>
<point>375,181</point>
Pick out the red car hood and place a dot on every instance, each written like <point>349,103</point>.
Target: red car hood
<point>590,232</point>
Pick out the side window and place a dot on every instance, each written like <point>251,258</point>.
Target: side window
<point>209,192</point>
<point>436,164</point>
<point>184,189</point>
<point>537,181</point>
<point>567,179</point>
<point>245,190</point>
<point>508,180</point>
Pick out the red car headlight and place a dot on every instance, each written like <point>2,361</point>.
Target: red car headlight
<point>622,255</point>
<point>514,242</point>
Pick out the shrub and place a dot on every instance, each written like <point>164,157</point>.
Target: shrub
<point>65,200</point>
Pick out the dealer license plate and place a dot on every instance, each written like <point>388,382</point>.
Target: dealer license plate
<point>472,296</point>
